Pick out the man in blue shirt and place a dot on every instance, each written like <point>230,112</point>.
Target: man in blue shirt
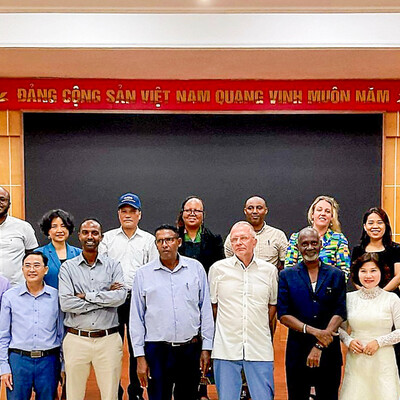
<point>171,323</point>
<point>31,331</point>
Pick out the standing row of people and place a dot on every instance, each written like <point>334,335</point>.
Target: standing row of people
<point>241,286</point>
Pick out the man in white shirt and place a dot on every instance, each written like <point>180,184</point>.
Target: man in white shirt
<point>132,247</point>
<point>243,292</point>
<point>272,243</point>
<point>16,238</point>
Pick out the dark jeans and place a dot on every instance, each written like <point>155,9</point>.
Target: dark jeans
<point>134,390</point>
<point>170,367</point>
<point>325,380</point>
<point>39,374</point>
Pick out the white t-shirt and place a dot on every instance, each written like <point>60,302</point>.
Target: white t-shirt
<point>16,237</point>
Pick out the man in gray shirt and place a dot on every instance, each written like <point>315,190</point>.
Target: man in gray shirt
<point>90,289</point>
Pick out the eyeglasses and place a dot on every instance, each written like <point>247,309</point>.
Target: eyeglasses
<point>193,211</point>
<point>167,240</point>
<point>34,266</point>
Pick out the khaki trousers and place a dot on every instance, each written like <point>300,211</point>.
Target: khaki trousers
<point>105,354</point>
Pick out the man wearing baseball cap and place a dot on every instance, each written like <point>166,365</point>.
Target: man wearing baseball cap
<point>132,247</point>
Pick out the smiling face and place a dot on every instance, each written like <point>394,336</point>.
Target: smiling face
<point>309,244</point>
<point>34,269</point>
<point>375,226</point>
<point>58,232</point>
<point>322,215</point>
<point>90,236</point>
<point>369,275</point>
<point>255,211</point>
<point>192,214</point>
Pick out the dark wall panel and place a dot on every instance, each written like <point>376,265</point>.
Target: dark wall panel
<point>83,162</point>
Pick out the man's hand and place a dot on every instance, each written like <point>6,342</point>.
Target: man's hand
<point>143,371</point>
<point>7,381</point>
<point>204,362</point>
<point>116,286</point>
<point>62,378</point>
<point>371,348</point>
<point>356,346</point>
<point>324,336</point>
<point>314,358</point>
<point>81,295</point>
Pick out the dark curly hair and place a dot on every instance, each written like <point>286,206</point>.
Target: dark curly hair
<point>367,257</point>
<point>67,218</point>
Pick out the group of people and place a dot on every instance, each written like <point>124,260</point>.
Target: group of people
<point>184,297</point>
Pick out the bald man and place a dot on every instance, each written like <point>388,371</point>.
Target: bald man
<point>243,292</point>
<point>271,242</point>
<point>17,237</point>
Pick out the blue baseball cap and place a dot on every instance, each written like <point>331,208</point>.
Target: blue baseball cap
<point>129,199</point>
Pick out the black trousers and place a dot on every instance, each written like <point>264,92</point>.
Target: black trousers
<point>176,368</point>
<point>134,390</point>
<point>326,381</point>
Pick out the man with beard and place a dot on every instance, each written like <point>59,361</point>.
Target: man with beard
<point>90,290</point>
<point>17,237</point>
<point>271,242</point>
<point>312,304</point>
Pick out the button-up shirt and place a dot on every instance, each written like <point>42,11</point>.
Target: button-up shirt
<point>170,306</point>
<point>29,322</point>
<point>98,310</point>
<point>271,245</point>
<point>243,295</point>
<point>16,236</point>
<point>131,252</point>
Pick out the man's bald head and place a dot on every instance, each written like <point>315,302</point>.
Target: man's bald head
<point>4,203</point>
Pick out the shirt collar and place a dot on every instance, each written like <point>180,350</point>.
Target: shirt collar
<point>24,289</point>
<point>138,232</point>
<point>237,261</point>
<point>262,229</point>
<point>99,259</point>
<point>181,264</point>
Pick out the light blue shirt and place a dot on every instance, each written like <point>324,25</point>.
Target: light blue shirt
<point>170,306</point>
<point>29,322</point>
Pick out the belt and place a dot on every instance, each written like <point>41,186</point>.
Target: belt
<point>36,353</point>
<point>194,339</point>
<point>93,334</point>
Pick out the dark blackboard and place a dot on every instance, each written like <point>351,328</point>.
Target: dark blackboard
<point>83,162</point>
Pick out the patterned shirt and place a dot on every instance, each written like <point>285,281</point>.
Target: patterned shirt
<point>334,251</point>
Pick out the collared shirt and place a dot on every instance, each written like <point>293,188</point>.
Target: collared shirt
<point>334,251</point>
<point>4,285</point>
<point>98,310</point>
<point>16,236</point>
<point>170,306</point>
<point>271,245</point>
<point>29,322</point>
<point>243,295</point>
<point>132,252</point>
<point>197,238</point>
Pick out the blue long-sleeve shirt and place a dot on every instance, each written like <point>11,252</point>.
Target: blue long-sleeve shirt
<point>29,322</point>
<point>170,306</point>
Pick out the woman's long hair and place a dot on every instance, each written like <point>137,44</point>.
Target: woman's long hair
<point>387,236</point>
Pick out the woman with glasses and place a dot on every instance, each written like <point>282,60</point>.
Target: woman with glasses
<point>199,243</point>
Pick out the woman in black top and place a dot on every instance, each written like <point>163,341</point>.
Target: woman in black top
<point>199,243</point>
<point>377,238</point>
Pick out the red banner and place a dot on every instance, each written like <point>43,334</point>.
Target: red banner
<point>199,95</point>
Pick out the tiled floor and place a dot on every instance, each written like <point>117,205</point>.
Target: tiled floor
<point>280,385</point>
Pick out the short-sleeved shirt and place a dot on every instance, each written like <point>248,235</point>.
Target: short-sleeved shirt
<point>243,295</point>
<point>131,252</point>
<point>271,245</point>
<point>16,236</point>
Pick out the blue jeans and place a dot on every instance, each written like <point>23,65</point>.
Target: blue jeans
<point>259,376</point>
<point>39,374</point>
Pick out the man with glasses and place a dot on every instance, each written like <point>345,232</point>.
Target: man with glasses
<point>132,247</point>
<point>31,331</point>
<point>271,242</point>
<point>17,237</point>
<point>171,323</point>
